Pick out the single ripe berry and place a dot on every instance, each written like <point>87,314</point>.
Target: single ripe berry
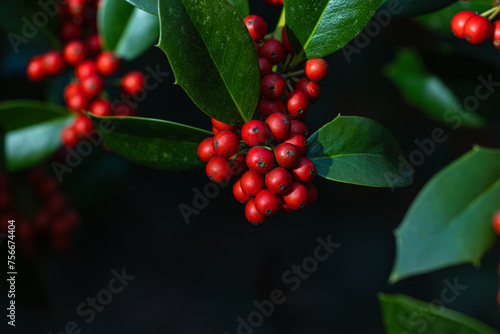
<point>265,67</point>
<point>477,29</point>
<point>70,30</point>
<point>273,50</point>
<point>107,63</point>
<point>53,63</point>
<point>92,85</point>
<point>317,69</point>
<point>267,107</point>
<point>93,44</point>
<point>222,126</point>
<point>298,127</point>
<point>278,180</point>
<point>313,194</point>
<point>72,89</point>
<point>206,149</point>
<point>252,214</point>
<point>251,183</point>
<point>496,222</point>
<point>218,169</point>
<point>297,196</point>
<point>78,102</point>
<point>101,107</point>
<point>458,22</point>
<point>34,70</point>
<point>284,37</point>
<point>255,133</point>
<point>85,69</point>
<point>272,86</point>
<point>83,126</point>
<point>69,136</point>
<point>76,7</point>
<point>267,203</point>
<point>310,88</point>
<point>133,82</point>
<point>287,155</point>
<point>279,125</point>
<point>495,35</point>
<point>74,52</point>
<point>297,103</point>
<point>299,141</point>
<point>256,26</point>
<point>226,143</point>
<point>304,171</point>
<point>238,193</point>
<point>260,159</point>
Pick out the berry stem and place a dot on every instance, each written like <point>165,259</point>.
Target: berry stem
<point>289,86</point>
<point>489,11</point>
<point>294,74</point>
<point>494,14</point>
<point>286,62</point>
<point>296,60</point>
<point>276,34</point>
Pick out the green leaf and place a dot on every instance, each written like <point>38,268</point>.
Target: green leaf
<point>151,6</point>
<point>212,56</point>
<point>404,315</point>
<point>152,142</point>
<point>357,150</point>
<point>406,8</point>
<point>31,130</point>
<point>449,222</point>
<point>126,30</point>
<point>241,6</point>
<point>319,28</point>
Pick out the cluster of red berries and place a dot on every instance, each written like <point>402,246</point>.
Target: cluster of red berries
<point>477,29</point>
<point>82,49</point>
<point>54,220</point>
<point>269,154</point>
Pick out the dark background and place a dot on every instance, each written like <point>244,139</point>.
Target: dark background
<point>200,277</point>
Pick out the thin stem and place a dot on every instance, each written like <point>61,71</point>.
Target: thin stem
<point>281,23</point>
<point>286,62</point>
<point>296,60</point>
<point>294,74</point>
<point>495,13</point>
<point>489,11</point>
<point>289,86</point>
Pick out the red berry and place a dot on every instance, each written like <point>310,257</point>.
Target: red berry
<point>260,159</point>
<point>287,155</point>
<point>74,52</point>
<point>278,180</point>
<point>83,126</point>
<point>78,102</point>
<point>304,171</point>
<point>297,196</point>
<point>35,69</point>
<point>218,169</point>
<point>313,194</point>
<point>238,193</point>
<point>255,133</point>
<point>267,203</point>
<point>76,7</point>
<point>299,141</point>
<point>72,89</point>
<point>477,29</point>
<point>496,222</point>
<point>133,82</point>
<point>265,67</point>
<point>256,26</point>
<point>458,22</point>
<point>252,214</point>
<point>317,69</point>
<point>273,50</point>
<point>93,44</point>
<point>267,107</point>
<point>297,103</point>
<point>280,126</point>
<point>226,143</point>
<point>310,88</point>
<point>92,85</point>
<point>273,3</point>
<point>85,69</point>
<point>101,107</point>
<point>272,86</point>
<point>69,136</point>
<point>107,63</point>
<point>298,127</point>
<point>251,183</point>
<point>284,37</point>
<point>206,149</point>
<point>70,30</point>
<point>285,209</point>
<point>53,63</point>
<point>222,126</point>
<point>495,36</point>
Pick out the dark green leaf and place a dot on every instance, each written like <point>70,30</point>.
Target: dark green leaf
<point>321,27</point>
<point>426,91</point>
<point>241,6</point>
<point>151,6</point>
<point>405,8</point>
<point>402,314</point>
<point>212,56</point>
<point>152,142</point>
<point>126,30</point>
<point>449,222</point>
<point>32,131</point>
<point>357,150</point>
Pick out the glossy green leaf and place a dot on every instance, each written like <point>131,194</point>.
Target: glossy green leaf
<point>449,222</point>
<point>428,92</point>
<point>241,6</point>
<point>405,315</point>
<point>152,142</point>
<point>407,8</point>
<point>357,150</point>
<point>151,6</point>
<point>319,28</point>
<point>31,131</point>
<point>126,30</point>
<point>212,56</point>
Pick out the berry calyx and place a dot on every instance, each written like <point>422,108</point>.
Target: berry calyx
<point>255,133</point>
<point>299,141</point>
<point>252,214</point>
<point>495,35</point>
<point>297,103</point>
<point>251,183</point>
<point>477,29</point>
<point>298,127</point>
<point>92,85</point>
<point>317,69</point>
<point>267,203</point>
<point>218,169</point>
<point>206,150</point>
<point>256,26</point>
<point>273,50</point>
<point>278,180</point>
<point>279,125</point>
<point>458,22</point>
<point>287,155</point>
<point>226,143</point>
<point>260,159</point>
<point>304,171</point>
<point>74,52</point>
<point>297,196</point>
<point>272,86</point>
